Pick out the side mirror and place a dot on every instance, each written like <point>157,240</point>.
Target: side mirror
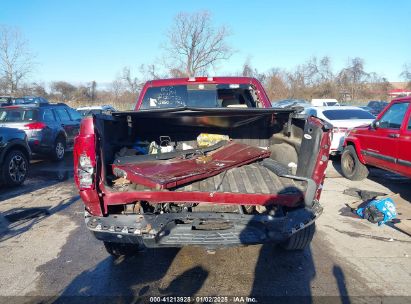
<point>375,124</point>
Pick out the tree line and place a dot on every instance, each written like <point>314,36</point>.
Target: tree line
<point>193,46</point>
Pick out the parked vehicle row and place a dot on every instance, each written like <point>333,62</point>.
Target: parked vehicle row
<point>31,125</point>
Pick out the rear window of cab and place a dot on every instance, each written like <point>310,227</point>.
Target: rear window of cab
<point>201,96</point>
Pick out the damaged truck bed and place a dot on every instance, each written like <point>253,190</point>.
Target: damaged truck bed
<point>201,176</point>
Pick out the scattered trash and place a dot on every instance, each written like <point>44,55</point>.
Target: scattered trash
<point>293,168</point>
<point>121,184</point>
<point>165,144</point>
<point>378,211</point>
<point>363,194</point>
<point>186,166</point>
<point>153,148</point>
<point>141,146</point>
<point>206,139</point>
<point>187,147</point>
<point>402,220</point>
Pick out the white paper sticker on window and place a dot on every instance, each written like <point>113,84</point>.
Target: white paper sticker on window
<point>153,102</point>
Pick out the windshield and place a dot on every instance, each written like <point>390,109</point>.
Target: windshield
<point>347,114</point>
<point>200,96</point>
<point>17,115</point>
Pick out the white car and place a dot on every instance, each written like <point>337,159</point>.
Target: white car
<point>343,120</point>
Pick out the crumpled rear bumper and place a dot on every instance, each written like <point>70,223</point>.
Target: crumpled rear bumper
<point>210,230</point>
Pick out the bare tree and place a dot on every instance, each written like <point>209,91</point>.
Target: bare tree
<point>353,78</point>
<point>132,83</point>
<point>151,71</point>
<point>65,89</point>
<point>247,69</point>
<point>297,83</point>
<point>195,44</point>
<point>16,61</point>
<point>117,88</point>
<point>250,71</point>
<point>406,74</point>
<point>33,88</point>
<point>377,86</point>
<point>275,85</point>
<point>93,90</point>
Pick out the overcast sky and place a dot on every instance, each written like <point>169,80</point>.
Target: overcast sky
<point>80,41</point>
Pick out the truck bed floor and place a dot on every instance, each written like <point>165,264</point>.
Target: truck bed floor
<point>252,178</point>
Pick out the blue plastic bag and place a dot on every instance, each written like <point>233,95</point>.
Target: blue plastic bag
<point>378,211</point>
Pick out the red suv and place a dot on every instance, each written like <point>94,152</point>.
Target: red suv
<point>385,144</point>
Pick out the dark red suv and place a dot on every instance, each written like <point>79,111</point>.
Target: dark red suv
<point>385,144</point>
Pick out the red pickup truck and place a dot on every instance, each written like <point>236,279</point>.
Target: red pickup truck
<point>201,161</point>
<point>385,144</point>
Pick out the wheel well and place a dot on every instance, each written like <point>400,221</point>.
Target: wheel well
<point>18,148</point>
<point>61,135</point>
<point>357,151</point>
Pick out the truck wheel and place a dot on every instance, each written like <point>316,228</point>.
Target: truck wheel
<point>351,166</point>
<point>120,249</point>
<point>301,239</point>
<point>59,149</point>
<point>15,168</point>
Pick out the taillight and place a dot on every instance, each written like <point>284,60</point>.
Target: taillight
<point>35,125</point>
<point>85,172</point>
<point>84,156</point>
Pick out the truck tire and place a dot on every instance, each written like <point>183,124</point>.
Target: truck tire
<point>15,168</point>
<point>59,148</point>
<point>120,249</point>
<point>351,166</point>
<point>301,239</point>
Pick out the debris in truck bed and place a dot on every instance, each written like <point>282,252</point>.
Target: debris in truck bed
<point>169,173</point>
<point>121,184</point>
<point>185,154</point>
<point>207,139</point>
